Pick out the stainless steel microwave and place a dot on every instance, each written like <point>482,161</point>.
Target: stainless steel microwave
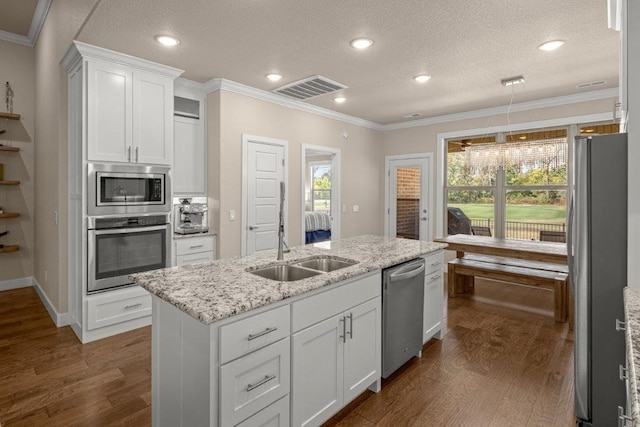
<point>128,189</point>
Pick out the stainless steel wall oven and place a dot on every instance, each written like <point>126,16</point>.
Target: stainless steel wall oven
<point>120,246</point>
<point>128,189</point>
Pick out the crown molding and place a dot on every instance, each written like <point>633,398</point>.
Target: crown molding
<point>494,111</point>
<point>39,15</point>
<point>84,50</point>
<point>239,88</point>
<point>190,86</point>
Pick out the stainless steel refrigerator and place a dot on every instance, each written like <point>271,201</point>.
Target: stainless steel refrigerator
<point>597,249</point>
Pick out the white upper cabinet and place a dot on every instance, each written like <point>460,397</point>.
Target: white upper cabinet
<point>129,113</point>
<point>152,118</point>
<point>109,115</point>
<point>189,142</point>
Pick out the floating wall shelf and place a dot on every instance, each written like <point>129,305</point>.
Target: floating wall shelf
<point>11,149</point>
<point>10,116</point>
<point>10,248</point>
<point>9,215</point>
<point>9,182</point>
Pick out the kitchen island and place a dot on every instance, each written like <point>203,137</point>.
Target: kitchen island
<point>232,348</point>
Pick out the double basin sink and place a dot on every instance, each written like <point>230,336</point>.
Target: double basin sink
<point>302,269</point>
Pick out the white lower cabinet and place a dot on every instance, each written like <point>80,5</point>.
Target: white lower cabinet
<point>194,250</point>
<point>253,382</point>
<point>334,361</point>
<point>433,315</point>
<point>296,362</point>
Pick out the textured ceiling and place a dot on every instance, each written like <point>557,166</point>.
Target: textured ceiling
<point>16,16</point>
<point>467,46</point>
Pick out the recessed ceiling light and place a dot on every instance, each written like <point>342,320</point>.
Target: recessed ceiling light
<point>361,43</point>
<point>167,40</point>
<point>551,45</point>
<point>274,77</point>
<point>421,78</point>
<point>340,99</point>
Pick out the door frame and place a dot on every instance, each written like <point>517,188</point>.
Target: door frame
<point>428,157</point>
<point>335,187</point>
<point>246,139</point>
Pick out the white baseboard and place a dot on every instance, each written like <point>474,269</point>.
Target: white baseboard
<point>23,282</point>
<point>60,319</point>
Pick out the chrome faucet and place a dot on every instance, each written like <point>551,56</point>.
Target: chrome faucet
<point>281,242</point>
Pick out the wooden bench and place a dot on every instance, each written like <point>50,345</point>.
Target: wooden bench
<point>461,273</point>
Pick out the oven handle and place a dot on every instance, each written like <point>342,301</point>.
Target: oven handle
<point>129,230</point>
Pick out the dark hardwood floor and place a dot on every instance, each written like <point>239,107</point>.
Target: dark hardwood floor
<point>503,362</point>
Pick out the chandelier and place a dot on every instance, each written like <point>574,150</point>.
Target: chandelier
<point>550,153</point>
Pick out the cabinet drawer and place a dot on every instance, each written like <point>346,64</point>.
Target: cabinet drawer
<point>326,304</point>
<point>252,333</point>
<point>104,310</point>
<point>198,258</point>
<point>275,415</point>
<point>433,278</point>
<point>253,382</point>
<point>433,262</point>
<point>193,245</point>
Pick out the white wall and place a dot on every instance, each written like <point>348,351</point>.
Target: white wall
<point>64,19</point>
<point>17,66</point>
<point>424,139</point>
<point>362,163</point>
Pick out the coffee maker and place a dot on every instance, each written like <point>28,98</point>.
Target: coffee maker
<point>190,216</point>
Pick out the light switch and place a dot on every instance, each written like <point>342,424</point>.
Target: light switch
<point>232,215</point>
<point>344,208</point>
<point>356,208</point>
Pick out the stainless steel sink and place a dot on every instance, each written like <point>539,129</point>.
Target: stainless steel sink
<point>284,273</point>
<point>326,264</point>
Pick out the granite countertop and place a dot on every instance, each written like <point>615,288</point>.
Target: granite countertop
<point>177,236</point>
<point>632,333</point>
<point>223,288</point>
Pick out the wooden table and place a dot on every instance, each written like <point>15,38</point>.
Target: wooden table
<point>523,249</point>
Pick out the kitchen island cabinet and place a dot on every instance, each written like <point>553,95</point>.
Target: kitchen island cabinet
<point>233,348</point>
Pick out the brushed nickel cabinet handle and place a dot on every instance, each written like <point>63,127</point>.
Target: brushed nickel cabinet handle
<point>265,380</point>
<point>259,334</point>
<point>253,227</point>
<point>128,307</point>
<point>195,246</point>
<point>434,278</point>
<point>136,154</point>
<point>129,153</point>
<point>350,316</point>
<point>344,330</point>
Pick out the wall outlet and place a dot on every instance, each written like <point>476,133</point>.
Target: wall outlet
<point>356,208</point>
<point>232,215</point>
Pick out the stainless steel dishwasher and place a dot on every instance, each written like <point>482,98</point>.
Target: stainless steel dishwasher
<point>402,311</point>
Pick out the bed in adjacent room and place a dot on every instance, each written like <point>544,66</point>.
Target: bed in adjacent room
<point>317,226</point>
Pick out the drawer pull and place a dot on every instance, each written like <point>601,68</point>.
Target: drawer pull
<point>620,326</point>
<point>265,380</point>
<point>259,334</point>
<point>434,278</point>
<point>622,418</point>
<point>435,264</point>
<point>128,307</point>
<point>623,373</point>
<point>195,246</point>
<point>350,316</point>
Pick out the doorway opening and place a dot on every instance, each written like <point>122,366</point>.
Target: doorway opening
<point>320,194</point>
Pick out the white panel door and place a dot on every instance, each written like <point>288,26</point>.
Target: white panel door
<point>265,164</point>
<point>362,352</point>
<point>153,118</point>
<point>317,372</point>
<point>109,112</point>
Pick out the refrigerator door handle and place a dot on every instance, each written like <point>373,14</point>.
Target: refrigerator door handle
<point>570,258</point>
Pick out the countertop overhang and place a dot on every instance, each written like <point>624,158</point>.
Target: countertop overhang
<point>223,288</point>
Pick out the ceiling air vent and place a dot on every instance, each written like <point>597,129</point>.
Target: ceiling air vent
<point>591,84</point>
<point>309,88</point>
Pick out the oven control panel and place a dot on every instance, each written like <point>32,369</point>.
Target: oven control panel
<point>128,221</point>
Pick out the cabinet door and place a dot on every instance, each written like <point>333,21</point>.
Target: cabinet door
<point>433,304</point>
<point>109,111</point>
<point>152,118</point>
<point>317,369</point>
<point>362,351</point>
<point>188,157</point>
